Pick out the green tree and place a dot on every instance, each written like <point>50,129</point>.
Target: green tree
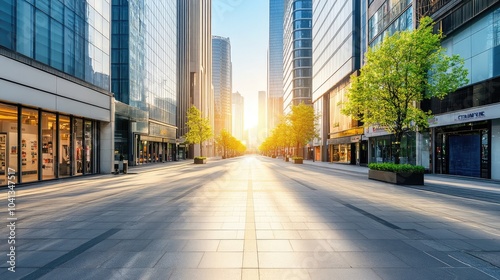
<point>199,129</point>
<point>302,125</point>
<point>223,140</point>
<point>404,69</point>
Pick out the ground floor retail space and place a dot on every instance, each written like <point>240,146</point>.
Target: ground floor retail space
<point>350,150</point>
<point>42,145</point>
<point>468,149</point>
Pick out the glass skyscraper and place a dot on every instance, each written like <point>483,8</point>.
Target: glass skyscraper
<point>55,103</point>
<point>297,53</point>
<point>275,63</point>
<point>222,83</point>
<point>144,59</point>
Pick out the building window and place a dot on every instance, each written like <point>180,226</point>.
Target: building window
<point>29,145</point>
<point>64,146</point>
<point>9,147</point>
<point>49,144</point>
<point>78,146</point>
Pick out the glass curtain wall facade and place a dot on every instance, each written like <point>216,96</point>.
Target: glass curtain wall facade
<point>70,36</point>
<point>297,53</point>
<point>466,124</point>
<point>275,63</point>
<point>388,18</point>
<point>63,50</point>
<point>144,59</point>
<point>222,83</point>
<point>336,54</point>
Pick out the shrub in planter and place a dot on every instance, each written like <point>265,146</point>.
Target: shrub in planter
<point>401,174</point>
<point>298,160</point>
<point>200,160</point>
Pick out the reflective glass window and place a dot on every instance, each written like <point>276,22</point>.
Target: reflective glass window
<point>78,146</point>
<point>29,145</point>
<point>49,145</point>
<point>9,147</point>
<point>64,146</point>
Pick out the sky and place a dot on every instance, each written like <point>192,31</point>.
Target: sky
<point>246,23</point>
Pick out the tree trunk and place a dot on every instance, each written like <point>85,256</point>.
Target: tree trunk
<point>201,149</point>
<point>397,147</point>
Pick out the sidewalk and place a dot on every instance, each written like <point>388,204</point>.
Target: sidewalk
<point>479,185</point>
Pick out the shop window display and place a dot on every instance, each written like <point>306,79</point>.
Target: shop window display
<point>8,142</point>
<point>78,146</point>
<point>64,146</point>
<point>29,145</point>
<point>48,145</point>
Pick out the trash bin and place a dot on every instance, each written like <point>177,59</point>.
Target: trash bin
<point>125,166</point>
<point>117,168</point>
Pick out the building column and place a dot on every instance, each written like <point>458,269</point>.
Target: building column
<point>107,143</point>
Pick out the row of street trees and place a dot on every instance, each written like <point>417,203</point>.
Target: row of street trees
<point>293,131</point>
<point>199,131</point>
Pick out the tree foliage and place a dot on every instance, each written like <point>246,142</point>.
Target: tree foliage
<point>404,69</point>
<point>199,129</point>
<point>295,129</point>
<point>229,145</point>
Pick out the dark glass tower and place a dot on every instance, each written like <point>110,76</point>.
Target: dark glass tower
<point>275,63</point>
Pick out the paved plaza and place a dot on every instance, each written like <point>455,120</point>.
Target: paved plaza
<point>253,217</point>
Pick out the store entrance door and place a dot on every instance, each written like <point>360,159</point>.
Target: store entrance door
<point>465,155</point>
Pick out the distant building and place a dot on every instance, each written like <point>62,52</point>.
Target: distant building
<point>238,114</point>
<point>143,60</point>
<point>262,118</point>
<point>55,102</point>
<point>275,63</point>
<point>194,46</point>
<point>222,82</point>
<point>297,54</point>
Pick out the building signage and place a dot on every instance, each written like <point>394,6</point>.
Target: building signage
<point>485,113</point>
<point>471,116</point>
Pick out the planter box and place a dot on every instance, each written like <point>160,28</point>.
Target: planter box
<point>287,159</point>
<point>397,178</point>
<point>298,161</point>
<point>200,161</point>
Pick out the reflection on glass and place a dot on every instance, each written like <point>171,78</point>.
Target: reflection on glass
<point>48,145</point>
<point>88,147</point>
<point>9,148</point>
<point>29,145</point>
<point>78,146</point>
<point>64,147</point>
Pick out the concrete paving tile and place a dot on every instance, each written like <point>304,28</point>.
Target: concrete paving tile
<point>37,258</point>
<point>413,273</point>
<point>301,260</point>
<point>230,246</point>
<point>127,234</point>
<point>442,234</point>
<point>274,246</point>
<point>165,245</point>
<point>249,274</point>
<point>340,245</point>
<point>381,234</point>
<point>342,234</point>
<point>104,245</point>
<point>286,234</point>
<point>80,273</point>
<point>485,244</point>
<point>201,245</point>
<point>384,245</point>
<point>89,259</point>
<point>131,245</point>
<point>372,259</point>
<point>274,274</point>
<point>221,260</point>
<point>180,260</point>
<point>310,245</point>
<point>310,234</point>
<point>343,274</point>
<point>133,260</point>
<point>206,274</point>
<point>418,259</point>
<point>264,234</point>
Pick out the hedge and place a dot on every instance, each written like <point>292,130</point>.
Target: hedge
<point>397,168</point>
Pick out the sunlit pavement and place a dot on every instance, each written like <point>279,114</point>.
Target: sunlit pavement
<point>253,218</point>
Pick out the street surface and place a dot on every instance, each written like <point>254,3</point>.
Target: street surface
<point>252,217</point>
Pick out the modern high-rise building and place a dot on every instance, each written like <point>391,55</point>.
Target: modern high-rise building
<point>336,54</point>
<point>143,61</point>
<point>465,132</point>
<point>238,115</point>
<point>194,46</point>
<point>56,108</point>
<point>222,82</point>
<point>275,63</point>
<point>297,53</point>
<point>262,119</point>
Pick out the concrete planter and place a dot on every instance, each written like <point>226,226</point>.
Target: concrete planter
<point>298,161</point>
<point>200,161</point>
<point>396,178</point>
<point>287,159</point>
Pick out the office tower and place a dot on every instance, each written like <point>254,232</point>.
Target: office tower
<point>55,101</point>
<point>144,58</point>
<point>336,55</point>
<point>275,63</point>
<point>238,115</point>
<point>262,118</point>
<point>297,53</point>
<point>222,83</point>
<point>194,48</point>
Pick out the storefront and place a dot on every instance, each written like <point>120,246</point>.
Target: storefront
<point>350,150</point>
<point>42,145</point>
<point>467,143</point>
